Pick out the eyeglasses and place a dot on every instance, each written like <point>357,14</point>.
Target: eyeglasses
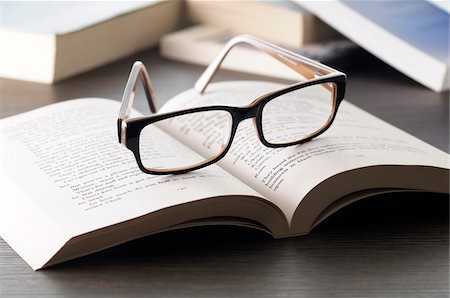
<point>202,135</point>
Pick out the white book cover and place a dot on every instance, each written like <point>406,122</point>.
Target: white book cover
<point>411,36</point>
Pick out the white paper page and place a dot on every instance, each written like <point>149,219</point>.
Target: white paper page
<point>66,159</point>
<point>285,175</point>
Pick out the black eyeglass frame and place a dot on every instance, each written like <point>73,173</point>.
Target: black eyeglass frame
<point>129,130</point>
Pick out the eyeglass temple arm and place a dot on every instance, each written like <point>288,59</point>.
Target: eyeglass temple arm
<point>137,71</point>
<point>302,65</point>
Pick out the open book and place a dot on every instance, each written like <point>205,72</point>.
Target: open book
<point>68,188</point>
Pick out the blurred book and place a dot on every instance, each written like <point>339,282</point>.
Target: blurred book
<point>281,22</point>
<point>50,41</point>
<point>411,36</point>
<point>441,4</point>
<point>201,44</point>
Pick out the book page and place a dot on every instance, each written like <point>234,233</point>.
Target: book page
<point>67,160</point>
<point>285,175</point>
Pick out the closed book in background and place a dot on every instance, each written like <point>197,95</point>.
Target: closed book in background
<point>411,36</point>
<point>200,44</point>
<point>281,22</point>
<point>49,41</point>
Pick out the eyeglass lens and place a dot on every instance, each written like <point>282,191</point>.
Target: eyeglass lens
<point>197,138</point>
<point>294,116</point>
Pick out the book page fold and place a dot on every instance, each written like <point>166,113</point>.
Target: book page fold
<point>23,225</point>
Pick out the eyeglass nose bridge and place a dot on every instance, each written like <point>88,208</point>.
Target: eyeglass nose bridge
<point>247,112</point>
<point>251,111</point>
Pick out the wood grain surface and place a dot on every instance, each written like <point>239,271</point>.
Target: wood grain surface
<point>393,245</point>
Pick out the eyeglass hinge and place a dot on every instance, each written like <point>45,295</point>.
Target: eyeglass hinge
<point>122,129</point>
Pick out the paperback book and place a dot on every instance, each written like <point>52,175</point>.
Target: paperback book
<point>68,188</point>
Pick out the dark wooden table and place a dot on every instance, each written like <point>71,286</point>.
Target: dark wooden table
<point>392,245</point>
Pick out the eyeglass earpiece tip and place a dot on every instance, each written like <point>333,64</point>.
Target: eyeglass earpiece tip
<point>200,87</point>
